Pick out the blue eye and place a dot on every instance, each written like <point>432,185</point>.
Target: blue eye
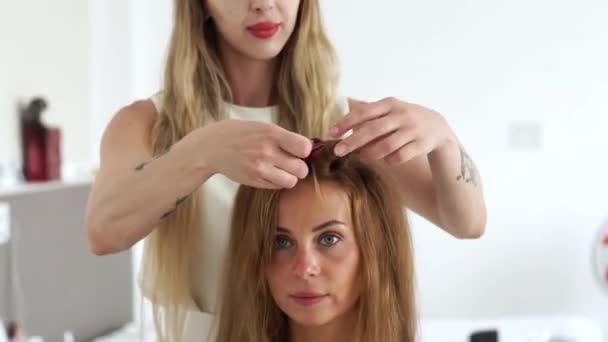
<point>281,242</point>
<point>329,240</point>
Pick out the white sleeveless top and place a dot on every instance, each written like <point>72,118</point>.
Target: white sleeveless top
<point>219,194</point>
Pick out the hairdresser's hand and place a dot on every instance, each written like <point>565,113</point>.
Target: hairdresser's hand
<point>256,154</point>
<point>392,130</point>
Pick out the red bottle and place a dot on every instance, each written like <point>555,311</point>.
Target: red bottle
<point>34,153</point>
<point>40,144</point>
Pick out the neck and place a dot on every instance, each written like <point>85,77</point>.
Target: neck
<point>251,81</point>
<point>340,329</point>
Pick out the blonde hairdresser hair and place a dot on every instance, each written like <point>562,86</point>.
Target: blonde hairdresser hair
<point>386,307</point>
<point>195,90</point>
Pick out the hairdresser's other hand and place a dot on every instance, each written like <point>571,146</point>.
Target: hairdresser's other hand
<point>257,154</point>
<point>392,130</point>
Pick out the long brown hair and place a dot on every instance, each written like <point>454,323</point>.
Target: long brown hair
<point>386,307</point>
<point>195,92</point>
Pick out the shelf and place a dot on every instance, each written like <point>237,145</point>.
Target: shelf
<point>28,188</point>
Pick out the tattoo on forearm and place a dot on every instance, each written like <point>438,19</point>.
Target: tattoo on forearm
<point>181,200</point>
<point>178,202</point>
<point>167,214</point>
<point>143,165</point>
<point>468,172</point>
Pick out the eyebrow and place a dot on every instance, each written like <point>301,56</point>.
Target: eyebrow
<point>317,228</point>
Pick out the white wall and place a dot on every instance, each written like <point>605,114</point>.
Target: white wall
<point>44,51</point>
<point>150,25</point>
<point>128,41</point>
<point>489,66</point>
<point>110,81</point>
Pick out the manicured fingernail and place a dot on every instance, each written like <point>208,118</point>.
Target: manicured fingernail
<point>339,151</point>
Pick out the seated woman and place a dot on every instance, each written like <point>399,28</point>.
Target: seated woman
<point>329,260</point>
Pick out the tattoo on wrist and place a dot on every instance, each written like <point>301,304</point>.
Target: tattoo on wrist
<point>468,172</point>
<point>143,165</point>
<point>178,202</point>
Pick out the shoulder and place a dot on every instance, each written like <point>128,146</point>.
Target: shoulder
<point>135,119</point>
<point>129,132</point>
<point>142,112</point>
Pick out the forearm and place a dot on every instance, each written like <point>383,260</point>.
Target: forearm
<point>458,191</point>
<point>126,205</point>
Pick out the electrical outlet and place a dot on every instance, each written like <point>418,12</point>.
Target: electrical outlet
<point>5,222</point>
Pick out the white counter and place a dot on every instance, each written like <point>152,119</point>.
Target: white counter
<point>27,188</point>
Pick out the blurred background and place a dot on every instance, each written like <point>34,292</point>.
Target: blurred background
<point>523,83</point>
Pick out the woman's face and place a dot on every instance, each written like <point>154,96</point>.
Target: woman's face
<point>257,29</point>
<point>314,272</point>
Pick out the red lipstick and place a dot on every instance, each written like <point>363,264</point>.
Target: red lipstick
<point>264,30</point>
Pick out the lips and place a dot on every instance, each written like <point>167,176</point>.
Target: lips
<point>264,30</point>
<point>308,298</point>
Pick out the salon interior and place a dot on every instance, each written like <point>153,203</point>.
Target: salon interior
<point>523,83</point>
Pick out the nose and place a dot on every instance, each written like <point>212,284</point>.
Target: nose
<point>306,264</point>
<point>262,6</point>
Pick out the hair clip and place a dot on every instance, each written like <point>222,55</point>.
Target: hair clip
<point>317,146</point>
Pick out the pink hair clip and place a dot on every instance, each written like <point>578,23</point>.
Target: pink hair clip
<point>317,147</point>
